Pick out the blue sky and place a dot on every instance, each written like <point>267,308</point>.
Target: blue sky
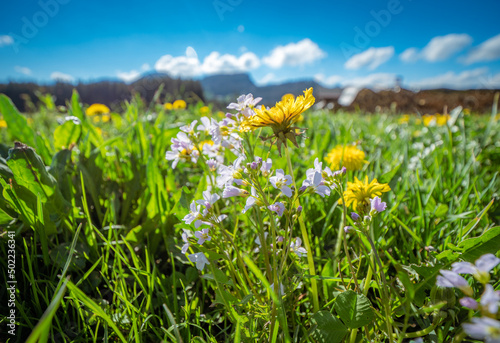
<point>363,43</point>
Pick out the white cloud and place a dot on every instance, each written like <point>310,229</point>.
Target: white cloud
<point>23,70</point>
<point>439,48</point>
<point>191,52</point>
<point>269,77</point>
<point>443,47</point>
<point>185,66</point>
<point>475,78</point>
<point>328,81</point>
<point>58,76</point>
<point>6,40</point>
<point>371,58</point>
<point>216,63</point>
<point>488,50</point>
<point>145,67</point>
<point>409,55</point>
<point>294,54</point>
<point>129,76</point>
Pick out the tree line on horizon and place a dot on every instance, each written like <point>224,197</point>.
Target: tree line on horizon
<point>25,95</point>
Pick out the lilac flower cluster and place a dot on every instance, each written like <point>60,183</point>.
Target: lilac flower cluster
<point>485,327</point>
<point>193,140</point>
<point>201,213</point>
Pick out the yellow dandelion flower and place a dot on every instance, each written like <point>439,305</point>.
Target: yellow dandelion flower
<point>168,106</point>
<point>427,119</point>
<point>346,156</point>
<point>105,118</point>
<point>3,124</point>
<point>281,117</point>
<point>442,119</point>
<point>466,111</point>
<point>205,110</point>
<point>359,193</point>
<point>95,109</point>
<point>405,118</point>
<point>96,119</point>
<point>436,119</point>
<point>287,96</point>
<point>221,114</point>
<point>179,105</point>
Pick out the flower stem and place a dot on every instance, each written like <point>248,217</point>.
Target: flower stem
<point>305,237</point>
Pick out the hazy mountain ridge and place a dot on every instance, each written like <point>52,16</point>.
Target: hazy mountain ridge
<point>230,86</point>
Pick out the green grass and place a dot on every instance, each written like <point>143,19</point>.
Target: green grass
<point>97,209</point>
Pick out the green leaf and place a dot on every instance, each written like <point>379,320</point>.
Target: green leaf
<point>228,297</point>
<point>78,295</point>
<point>219,276</point>
<point>354,309</point>
<point>387,177</point>
<point>29,171</point>
<point>441,210</point>
<point>328,328</point>
<point>488,242</point>
<point>17,124</point>
<point>32,183</point>
<point>76,107</point>
<point>66,134</point>
<point>4,218</point>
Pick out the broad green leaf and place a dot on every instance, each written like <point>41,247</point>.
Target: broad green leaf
<point>228,297</point>
<point>76,107</point>
<point>17,124</point>
<point>219,276</point>
<point>328,328</point>
<point>354,309</point>
<point>31,184</point>
<point>4,218</point>
<point>66,134</point>
<point>29,171</point>
<point>441,210</point>
<point>387,177</point>
<point>488,242</point>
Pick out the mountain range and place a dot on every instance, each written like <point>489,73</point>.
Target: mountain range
<point>229,86</point>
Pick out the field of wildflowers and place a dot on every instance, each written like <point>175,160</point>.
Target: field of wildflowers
<point>179,223</point>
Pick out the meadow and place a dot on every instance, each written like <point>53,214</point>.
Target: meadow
<point>302,225</point>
